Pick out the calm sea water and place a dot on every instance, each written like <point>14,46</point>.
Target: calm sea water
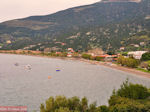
<point>20,86</point>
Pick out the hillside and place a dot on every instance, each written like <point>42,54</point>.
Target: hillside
<point>103,24</point>
<point>121,0</point>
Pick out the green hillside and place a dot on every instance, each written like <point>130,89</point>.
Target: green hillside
<point>103,24</point>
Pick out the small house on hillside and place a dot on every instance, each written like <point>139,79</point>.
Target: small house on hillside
<point>122,48</point>
<point>70,52</point>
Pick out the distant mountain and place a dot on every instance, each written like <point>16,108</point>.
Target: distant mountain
<point>103,24</point>
<point>121,0</point>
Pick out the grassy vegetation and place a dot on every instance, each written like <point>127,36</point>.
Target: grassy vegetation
<point>143,70</point>
<point>90,57</point>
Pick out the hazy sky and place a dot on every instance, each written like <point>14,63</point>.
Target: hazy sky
<point>12,9</point>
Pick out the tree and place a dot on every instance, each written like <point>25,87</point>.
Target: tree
<point>133,91</point>
<point>103,108</point>
<point>146,56</point>
<point>86,56</point>
<point>62,110</point>
<point>63,104</point>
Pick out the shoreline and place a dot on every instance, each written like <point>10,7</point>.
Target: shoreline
<point>106,64</point>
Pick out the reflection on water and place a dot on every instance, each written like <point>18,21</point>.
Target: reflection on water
<point>31,87</point>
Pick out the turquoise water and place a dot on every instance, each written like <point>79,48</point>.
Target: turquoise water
<point>22,86</point>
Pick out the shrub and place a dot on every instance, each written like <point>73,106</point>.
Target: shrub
<point>75,55</point>
<point>86,56</point>
<point>99,58</point>
<point>124,53</point>
<point>63,54</point>
<point>129,62</point>
<point>148,67</point>
<point>146,56</point>
<point>144,65</point>
<point>92,58</point>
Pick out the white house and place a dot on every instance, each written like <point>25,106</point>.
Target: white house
<point>136,54</point>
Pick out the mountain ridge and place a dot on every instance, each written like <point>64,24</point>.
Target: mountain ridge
<point>97,24</point>
<point>122,1</point>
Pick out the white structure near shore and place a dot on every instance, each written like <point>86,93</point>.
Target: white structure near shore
<point>136,54</point>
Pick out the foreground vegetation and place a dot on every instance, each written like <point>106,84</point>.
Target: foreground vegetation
<point>129,98</point>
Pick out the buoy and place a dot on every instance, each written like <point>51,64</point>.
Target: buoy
<point>57,70</point>
<point>49,77</point>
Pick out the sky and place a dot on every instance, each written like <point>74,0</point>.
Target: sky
<point>14,9</point>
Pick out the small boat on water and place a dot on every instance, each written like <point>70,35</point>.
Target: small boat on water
<point>16,64</point>
<point>57,70</point>
<point>28,67</point>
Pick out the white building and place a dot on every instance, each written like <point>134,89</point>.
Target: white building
<point>136,54</point>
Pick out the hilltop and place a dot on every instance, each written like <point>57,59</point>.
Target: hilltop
<point>121,1</point>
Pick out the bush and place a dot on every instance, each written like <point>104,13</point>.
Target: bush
<point>124,54</point>
<point>86,56</point>
<point>99,58</point>
<point>75,55</point>
<point>129,62</point>
<point>148,67</point>
<point>63,54</point>
<point>146,56</point>
<point>144,65</point>
<point>92,58</point>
